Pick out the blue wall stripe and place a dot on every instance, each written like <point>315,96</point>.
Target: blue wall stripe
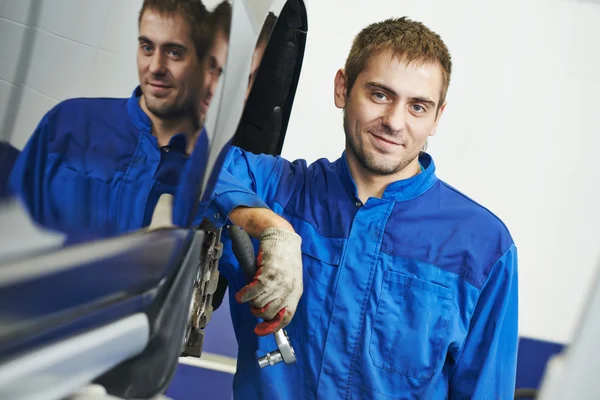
<point>532,360</point>
<point>193,383</point>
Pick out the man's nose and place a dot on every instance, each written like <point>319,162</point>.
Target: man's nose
<point>158,63</point>
<point>395,118</point>
<point>212,85</point>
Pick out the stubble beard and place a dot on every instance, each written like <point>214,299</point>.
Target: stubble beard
<point>174,112</point>
<point>373,163</point>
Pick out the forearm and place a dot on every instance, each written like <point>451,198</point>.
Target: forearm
<point>256,220</point>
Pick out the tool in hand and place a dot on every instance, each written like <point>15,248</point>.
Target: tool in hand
<point>244,252</point>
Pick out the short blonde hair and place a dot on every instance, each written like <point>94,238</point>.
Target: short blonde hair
<point>412,41</point>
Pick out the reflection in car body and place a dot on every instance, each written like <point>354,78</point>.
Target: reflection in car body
<point>119,307</point>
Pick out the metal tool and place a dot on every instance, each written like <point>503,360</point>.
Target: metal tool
<point>244,252</point>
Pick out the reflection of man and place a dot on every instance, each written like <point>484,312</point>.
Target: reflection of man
<point>170,49</point>
<point>217,53</point>
<point>410,287</point>
<point>259,50</point>
<point>99,164</point>
<point>214,62</point>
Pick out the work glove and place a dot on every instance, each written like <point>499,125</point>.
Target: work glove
<point>275,291</point>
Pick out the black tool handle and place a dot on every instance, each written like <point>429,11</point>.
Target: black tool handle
<point>243,250</point>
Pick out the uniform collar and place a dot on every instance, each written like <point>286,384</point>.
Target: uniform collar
<point>401,190</point>
<point>137,115</point>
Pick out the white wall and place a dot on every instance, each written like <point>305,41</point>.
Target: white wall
<point>519,135</point>
<point>78,48</point>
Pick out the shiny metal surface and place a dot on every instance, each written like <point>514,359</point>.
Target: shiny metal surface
<point>285,351</point>
<point>95,280</point>
<point>55,371</point>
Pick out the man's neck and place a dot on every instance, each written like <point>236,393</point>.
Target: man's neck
<point>370,185</point>
<point>165,129</point>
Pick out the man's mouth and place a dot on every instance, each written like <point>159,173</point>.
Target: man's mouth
<point>204,104</point>
<point>159,89</point>
<point>385,140</point>
<point>159,85</point>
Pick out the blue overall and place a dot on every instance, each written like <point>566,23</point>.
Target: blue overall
<point>93,167</point>
<point>409,296</point>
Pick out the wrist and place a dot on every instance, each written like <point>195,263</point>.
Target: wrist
<point>255,220</point>
<point>276,221</point>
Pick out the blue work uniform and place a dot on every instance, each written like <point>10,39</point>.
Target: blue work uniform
<point>409,296</point>
<point>93,167</point>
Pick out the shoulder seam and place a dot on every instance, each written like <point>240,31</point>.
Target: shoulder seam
<point>467,198</point>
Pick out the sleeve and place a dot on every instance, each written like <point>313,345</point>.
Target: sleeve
<point>27,178</point>
<point>486,365</point>
<point>245,179</point>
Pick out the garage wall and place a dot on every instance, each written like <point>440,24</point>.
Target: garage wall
<point>57,49</point>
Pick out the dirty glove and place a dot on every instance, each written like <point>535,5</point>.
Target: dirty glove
<point>276,289</point>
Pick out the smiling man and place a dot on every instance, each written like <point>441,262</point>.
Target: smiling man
<point>410,287</point>
<point>172,46</point>
<point>99,165</point>
<point>216,57</point>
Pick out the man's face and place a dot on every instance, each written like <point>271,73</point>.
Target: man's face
<point>167,64</point>
<point>390,112</point>
<point>214,63</point>
<point>257,57</point>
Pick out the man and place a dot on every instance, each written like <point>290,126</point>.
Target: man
<point>185,201</point>
<point>410,287</point>
<point>99,166</point>
<point>216,58</point>
<point>259,50</point>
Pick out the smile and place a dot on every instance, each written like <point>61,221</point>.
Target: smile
<point>384,141</point>
<point>159,86</point>
<point>159,89</point>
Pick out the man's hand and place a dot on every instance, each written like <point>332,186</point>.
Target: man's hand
<point>276,289</point>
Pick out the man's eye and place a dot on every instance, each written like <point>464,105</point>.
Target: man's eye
<point>379,96</point>
<point>175,53</point>
<point>146,48</point>
<point>418,108</point>
<point>212,66</point>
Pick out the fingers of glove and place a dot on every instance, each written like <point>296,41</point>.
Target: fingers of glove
<point>270,292</point>
<point>270,326</point>
<point>251,290</point>
<point>269,311</point>
<point>242,296</point>
<point>264,298</point>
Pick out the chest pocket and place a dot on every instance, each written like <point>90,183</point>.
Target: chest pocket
<point>320,258</point>
<point>80,202</point>
<point>410,326</point>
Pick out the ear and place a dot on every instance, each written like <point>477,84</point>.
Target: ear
<point>339,89</point>
<point>437,119</point>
